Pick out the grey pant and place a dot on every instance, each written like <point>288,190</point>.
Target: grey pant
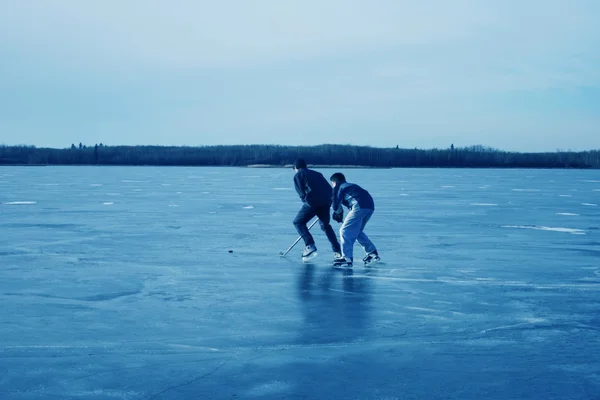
<point>352,230</point>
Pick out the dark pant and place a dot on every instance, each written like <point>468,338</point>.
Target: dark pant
<point>307,213</point>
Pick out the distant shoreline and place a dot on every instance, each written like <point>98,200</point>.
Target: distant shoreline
<point>283,166</point>
<point>277,156</point>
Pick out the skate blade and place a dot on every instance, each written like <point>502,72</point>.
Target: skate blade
<point>343,266</point>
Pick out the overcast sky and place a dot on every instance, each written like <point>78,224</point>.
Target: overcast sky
<point>512,74</point>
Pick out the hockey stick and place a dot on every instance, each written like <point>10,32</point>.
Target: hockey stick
<point>297,240</point>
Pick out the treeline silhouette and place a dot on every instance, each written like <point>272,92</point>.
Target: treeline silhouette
<point>276,155</point>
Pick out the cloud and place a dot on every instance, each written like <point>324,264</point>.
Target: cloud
<point>227,33</point>
<point>544,42</point>
<point>330,69</point>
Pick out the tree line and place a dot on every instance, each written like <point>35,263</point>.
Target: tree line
<point>278,155</point>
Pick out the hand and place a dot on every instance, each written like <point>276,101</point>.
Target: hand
<point>338,217</point>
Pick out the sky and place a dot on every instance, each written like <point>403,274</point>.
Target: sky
<point>519,75</point>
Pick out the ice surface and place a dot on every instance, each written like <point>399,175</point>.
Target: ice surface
<point>482,294</point>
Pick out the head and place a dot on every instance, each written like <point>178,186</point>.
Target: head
<point>337,179</point>
<point>299,164</point>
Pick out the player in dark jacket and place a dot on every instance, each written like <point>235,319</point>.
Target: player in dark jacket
<point>315,192</point>
<point>360,206</point>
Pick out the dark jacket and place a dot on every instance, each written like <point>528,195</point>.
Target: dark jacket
<point>352,196</point>
<point>312,187</point>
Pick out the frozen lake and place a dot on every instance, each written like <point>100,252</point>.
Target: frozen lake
<point>118,283</point>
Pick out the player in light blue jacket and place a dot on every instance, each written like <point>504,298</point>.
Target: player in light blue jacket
<point>360,206</point>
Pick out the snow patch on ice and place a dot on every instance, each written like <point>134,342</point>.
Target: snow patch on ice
<point>565,195</point>
<point>525,190</point>
<point>572,231</point>
<point>269,388</point>
<point>566,213</point>
<point>591,181</point>
<point>173,205</point>
<point>248,207</point>
<point>189,346</point>
<point>421,309</point>
<point>108,203</point>
<point>534,320</point>
<point>113,194</point>
<point>96,184</point>
<point>132,181</point>
<point>484,204</point>
<point>278,188</point>
<point>505,327</point>
<point>589,204</point>
<point>448,186</point>
<point>19,203</point>
<point>109,393</point>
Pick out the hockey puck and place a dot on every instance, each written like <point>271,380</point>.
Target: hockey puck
<point>231,251</point>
